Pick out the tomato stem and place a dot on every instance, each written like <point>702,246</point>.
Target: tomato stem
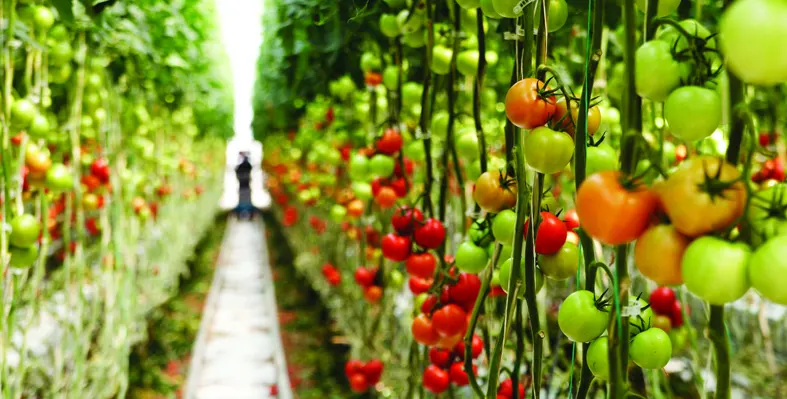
<point>468,339</point>
<point>478,84</point>
<point>718,335</point>
<point>425,109</point>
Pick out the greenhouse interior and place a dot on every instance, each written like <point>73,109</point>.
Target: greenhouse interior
<point>406,199</point>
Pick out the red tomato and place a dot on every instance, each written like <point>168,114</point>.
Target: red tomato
<point>676,315</point>
<point>431,234</point>
<point>400,187</point>
<point>571,219</point>
<point>524,106</point>
<point>458,374</point>
<point>765,139</point>
<point>377,185</point>
<point>662,300</point>
<point>352,367</point>
<point>507,389</point>
<point>435,379</point>
<point>423,330</point>
<point>409,166</point>
<point>440,357</point>
<point>91,182</point>
<point>551,234</point>
<point>611,213</point>
<point>421,265</point>
<point>373,293</point>
<point>372,236</point>
<point>100,169</point>
<point>406,219</point>
<point>395,247</point>
<point>476,347</point>
<point>358,383</point>
<point>429,302</point>
<point>449,341</point>
<point>418,285</point>
<point>365,276</point>
<point>373,370</point>
<point>450,320</point>
<point>466,289</point>
<point>373,78</point>
<point>390,143</point>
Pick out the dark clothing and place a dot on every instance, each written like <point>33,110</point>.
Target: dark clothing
<point>243,173</point>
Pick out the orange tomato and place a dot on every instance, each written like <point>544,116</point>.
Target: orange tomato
<point>373,293</point>
<point>525,107</point>
<point>611,213</point>
<point>659,252</point>
<point>386,198</point>
<point>355,208</point>
<point>494,192</point>
<point>423,330</point>
<point>566,125</point>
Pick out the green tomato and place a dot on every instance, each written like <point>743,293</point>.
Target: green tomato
<point>419,300</point>
<point>467,145</point>
<point>338,213</point>
<point>766,264</point>
<point>505,253</point>
<point>59,178</point>
<point>495,279</point>
<point>471,258</point>
<point>439,125</point>
<point>488,8</point>
<point>579,319</point>
<point>505,8</point>
<point>43,18</point>
<point>390,77</point>
<point>549,203</point>
<point>39,127</point>
<point>412,92</point>
<point>503,226</point>
<point>371,62</point>
<point>751,29</point>
<point>505,276</point>
<point>473,170</point>
<point>716,270</point>
<point>548,151</point>
<point>469,4</point>
<point>651,349</point>
<point>22,258</point>
<point>25,229</point>
<point>415,151</point>
<point>693,112</point>
<point>467,62</point>
<point>617,82</point>
<point>395,3</point>
<point>597,358</point>
<point>23,112</point>
<point>60,53</point>
<point>414,24</point>
<point>362,190</point>
<point>395,279</point>
<point>389,25</point>
<point>767,220</point>
<point>562,264</point>
<point>558,14</point>
<point>416,39</point>
<point>441,59</point>
<point>657,74</point>
<point>643,319</point>
<point>679,338</point>
<point>666,7</point>
<point>359,167</point>
<point>381,165</point>
<point>668,150</point>
<point>491,60</point>
<point>600,158</point>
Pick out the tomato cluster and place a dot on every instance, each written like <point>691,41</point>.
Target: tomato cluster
<point>332,274</point>
<point>447,366</point>
<point>362,375</point>
<point>368,279</point>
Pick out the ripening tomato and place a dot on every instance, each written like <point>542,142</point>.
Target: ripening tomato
<point>658,254</point>
<point>435,379</point>
<point>525,107</point>
<point>662,322</point>
<point>355,208</point>
<point>495,191</point>
<point>548,151</point>
<point>386,198</point>
<point>716,270</point>
<point>611,213</point>
<point>580,318</point>
<point>373,293</point>
<point>651,349</point>
<point>692,209</point>
<point>423,330</point>
<point>568,125</point>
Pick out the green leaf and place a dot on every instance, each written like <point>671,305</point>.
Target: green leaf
<point>65,8</point>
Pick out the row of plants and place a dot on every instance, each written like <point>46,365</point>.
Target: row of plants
<point>111,115</point>
<point>504,199</point>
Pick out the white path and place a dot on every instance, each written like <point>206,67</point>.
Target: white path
<point>238,352</point>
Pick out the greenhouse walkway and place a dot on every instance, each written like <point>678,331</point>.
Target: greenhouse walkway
<point>238,353</point>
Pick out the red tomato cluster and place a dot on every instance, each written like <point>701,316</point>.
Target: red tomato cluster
<point>447,366</point>
<point>664,304</point>
<point>410,227</point>
<point>290,216</point>
<point>366,277</point>
<point>362,375</point>
<point>506,390</point>
<point>318,225</point>
<point>331,274</point>
<point>772,169</point>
